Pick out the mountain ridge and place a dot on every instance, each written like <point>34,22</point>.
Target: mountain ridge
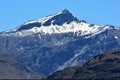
<point>62,22</point>
<point>101,67</point>
<point>46,49</point>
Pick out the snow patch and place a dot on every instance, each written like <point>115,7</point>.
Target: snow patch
<point>42,20</point>
<point>80,29</point>
<point>115,37</point>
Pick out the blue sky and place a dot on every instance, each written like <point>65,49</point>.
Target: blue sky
<point>15,12</point>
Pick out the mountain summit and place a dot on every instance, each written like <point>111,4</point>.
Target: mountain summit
<point>56,19</point>
<point>64,17</point>
<point>65,11</point>
<point>62,22</point>
<point>58,41</point>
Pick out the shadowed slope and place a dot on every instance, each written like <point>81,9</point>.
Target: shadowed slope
<point>12,69</point>
<point>105,66</point>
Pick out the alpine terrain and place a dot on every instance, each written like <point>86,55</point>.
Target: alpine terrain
<point>101,67</point>
<point>13,69</point>
<point>58,41</point>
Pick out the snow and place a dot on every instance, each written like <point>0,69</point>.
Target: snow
<point>43,20</point>
<point>65,28</point>
<point>82,28</point>
<point>115,37</point>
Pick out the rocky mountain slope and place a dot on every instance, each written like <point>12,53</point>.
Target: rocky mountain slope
<point>12,69</point>
<point>58,41</point>
<point>101,67</point>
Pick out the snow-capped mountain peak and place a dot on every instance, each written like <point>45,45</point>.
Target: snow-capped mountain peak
<point>62,22</point>
<point>58,41</point>
<point>56,19</point>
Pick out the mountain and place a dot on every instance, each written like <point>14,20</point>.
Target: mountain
<point>101,67</point>
<point>12,69</point>
<point>58,41</point>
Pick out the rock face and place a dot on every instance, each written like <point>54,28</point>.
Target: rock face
<point>12,69</point>
<point>58,41</point>
<point>101,67</point>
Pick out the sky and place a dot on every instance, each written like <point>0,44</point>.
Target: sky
<point>16,12</point>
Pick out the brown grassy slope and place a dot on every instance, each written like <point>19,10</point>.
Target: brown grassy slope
<point>105,66</point>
